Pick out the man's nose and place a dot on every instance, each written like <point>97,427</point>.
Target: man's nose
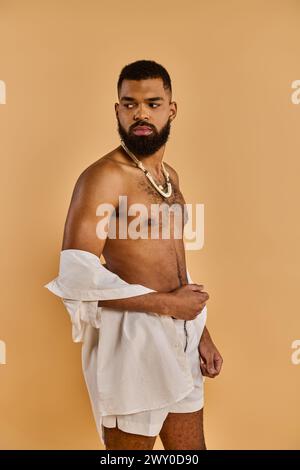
<point>141,113</point>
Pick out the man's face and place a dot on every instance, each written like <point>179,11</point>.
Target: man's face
<point>144,115</point>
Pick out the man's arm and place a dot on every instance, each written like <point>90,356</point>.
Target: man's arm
<point>102,184</point>
<point>158,302</point>
<point>210,358</point>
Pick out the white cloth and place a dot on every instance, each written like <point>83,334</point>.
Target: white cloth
<point>132,361</point>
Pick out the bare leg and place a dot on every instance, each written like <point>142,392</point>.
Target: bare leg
<point>183,431</point>
<point>116,439</point>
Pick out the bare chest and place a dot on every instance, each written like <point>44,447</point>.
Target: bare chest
<point>142,198</point>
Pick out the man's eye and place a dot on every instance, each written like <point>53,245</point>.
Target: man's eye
<point>150,104</point>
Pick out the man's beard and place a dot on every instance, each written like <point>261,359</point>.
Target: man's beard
<point>144,144</point>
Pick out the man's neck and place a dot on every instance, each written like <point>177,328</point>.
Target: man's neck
<point>152,162</point>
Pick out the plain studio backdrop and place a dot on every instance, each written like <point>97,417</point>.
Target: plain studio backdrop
<point>235,143</point>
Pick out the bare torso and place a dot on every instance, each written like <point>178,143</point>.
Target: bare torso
<point>156,263</point>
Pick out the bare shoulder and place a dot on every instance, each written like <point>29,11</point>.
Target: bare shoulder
<point>105,176</point>
<point>97,189</point>
<point>117,158</point>
<point>109,163</point>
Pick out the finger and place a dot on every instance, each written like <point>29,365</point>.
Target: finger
<point>210,365</point>
<point>196,287</point>
<point>200,290</point>
<point>205,372</point>
<point>218,361</point>
<point>203,296</point>
<point>203,369</point>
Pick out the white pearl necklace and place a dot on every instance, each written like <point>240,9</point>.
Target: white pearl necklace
<point>158,187</point>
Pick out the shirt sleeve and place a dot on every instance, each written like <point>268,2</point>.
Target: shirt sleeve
<point>83,281</point>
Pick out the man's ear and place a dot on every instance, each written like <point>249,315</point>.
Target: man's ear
<point>173,110</point>
<point>116,108</point>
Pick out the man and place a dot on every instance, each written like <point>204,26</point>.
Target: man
<point>144,114</point>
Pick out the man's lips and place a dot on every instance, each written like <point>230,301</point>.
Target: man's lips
<point>142,130</point>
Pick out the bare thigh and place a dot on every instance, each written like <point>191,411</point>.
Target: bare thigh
<point>183,431</point>
<point>115,439</point>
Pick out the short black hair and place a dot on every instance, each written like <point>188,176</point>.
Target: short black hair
<point>142,70</point>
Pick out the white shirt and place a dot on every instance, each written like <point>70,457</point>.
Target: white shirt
<point>132,361</point>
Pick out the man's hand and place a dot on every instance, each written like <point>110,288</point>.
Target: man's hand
<point>210,359</point>
<point>187,301</point>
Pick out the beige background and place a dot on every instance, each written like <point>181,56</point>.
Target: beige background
<point>235,143</point>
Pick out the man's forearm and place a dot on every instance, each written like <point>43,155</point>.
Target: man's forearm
<point>205,336</point>
<point>156,302</point>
